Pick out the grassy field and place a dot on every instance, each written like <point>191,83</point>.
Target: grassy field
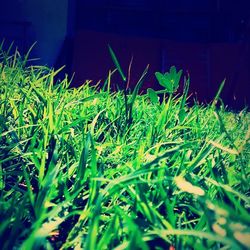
<point>82,168</point>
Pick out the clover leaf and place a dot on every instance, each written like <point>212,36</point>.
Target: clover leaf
<point>170,80</point>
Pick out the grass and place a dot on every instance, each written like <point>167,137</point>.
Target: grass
<point>82,168</point>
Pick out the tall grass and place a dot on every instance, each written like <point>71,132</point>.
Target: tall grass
<point>88,169</point>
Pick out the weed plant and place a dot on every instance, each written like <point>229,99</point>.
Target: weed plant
<point>88,169</point>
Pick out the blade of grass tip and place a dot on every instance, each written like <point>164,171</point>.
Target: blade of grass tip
<point>129,106</point>
<point>14,61</point>
<point>185,92</point>
<point>114,58</point>
<point>9,49</point>
<point>138,85</point>
<point>46,76</point>
<point>1,45</point>
<point>70,80</point>
<point>161,121</point>
<point>94,122</point>
<point>108,80</point>
<point>129,72</point>
<point>218,94</point>
<point>28,53</point>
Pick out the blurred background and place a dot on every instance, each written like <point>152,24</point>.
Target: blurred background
<point>209,39</point>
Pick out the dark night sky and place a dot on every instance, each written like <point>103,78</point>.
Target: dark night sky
<point>189,20</point>
<point>179,20</point>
